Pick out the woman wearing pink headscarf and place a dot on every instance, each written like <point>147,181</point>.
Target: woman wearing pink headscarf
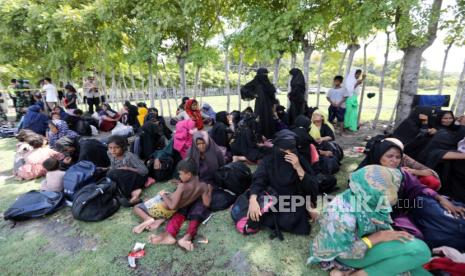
<point>183,136</point>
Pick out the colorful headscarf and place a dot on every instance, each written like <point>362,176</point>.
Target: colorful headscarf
<point>63,131</point>
<point>195,115</point>
<point>359,211</point>
<point>314,130</point>
<point>142,113</point>
<point>208,110</point>
<point>183,137</point>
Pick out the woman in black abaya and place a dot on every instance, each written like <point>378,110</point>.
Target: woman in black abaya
<point>416,130</point>
<point>442,156</point>
<point>283,173</point>
<point>297,95</point>
<point>265,99</point>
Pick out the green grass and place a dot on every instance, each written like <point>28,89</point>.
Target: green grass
<point>59,245</point>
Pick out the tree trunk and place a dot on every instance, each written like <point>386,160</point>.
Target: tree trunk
<point>459,90</point>
<point>341,62</point>
<point>83,79</point>
<point>352,49</point>
<point>239,75</point>
<point>362,94</point>
<point>197,79</point>
<point>308,50</point>
<point>461,104</point>
<point>381,83</point>
<point>141,94</point>
<point>293,59</point>
<point>408,81</point>
<point>182,74</point>
<point>226,77</point>
<point>103,82</point>
<point>126,90</point>
<point>113,86</point>
<point>412,59</point>
<point>441,78</point>
<point>150,84</point>
<point>133,84</point>
<point>277,63</point>
<point>157,88</point>
<point>165,92</point>
<point>391,120</point>
<point>318,87</point>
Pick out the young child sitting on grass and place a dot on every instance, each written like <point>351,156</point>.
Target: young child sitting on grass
<point>191,200</point>
<point>54,178</point>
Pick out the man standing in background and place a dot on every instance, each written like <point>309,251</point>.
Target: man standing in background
<point>92,94</point>
<point>51,94</point>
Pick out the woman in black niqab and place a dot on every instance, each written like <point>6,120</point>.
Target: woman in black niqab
<point>221,132</point>
<point>265,99</point>
<point>297,94</point>
<point>301,128</point>
<point>279,177</point>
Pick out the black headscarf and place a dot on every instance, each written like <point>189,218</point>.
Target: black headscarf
<point>297,86</point>
<point>301,128</point>
<point>408,129</point>
<point>280,170</point>
<point>132,114</point>
<point>439,125</point>
<point>220,130</point>
<point>374,154</point>
<point>222,116</point>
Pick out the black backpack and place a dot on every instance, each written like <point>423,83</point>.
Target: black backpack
<point>165,172</point>
<point>34,204</point>
<point>231,180</point>
<point>78,176</point>
<point>221,199</point>
<point>235,177</point>
<point>96,202</point>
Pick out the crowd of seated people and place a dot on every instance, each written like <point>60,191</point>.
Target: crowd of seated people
<point>421,159</point>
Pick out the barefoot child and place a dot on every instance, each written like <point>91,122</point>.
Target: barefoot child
<point>191,200</point>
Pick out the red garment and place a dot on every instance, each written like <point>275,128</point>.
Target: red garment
<point>447,265</point>
<point>314,153</point>
<point>195,115</point>
<point>430,181</point>
<point>175,224</point>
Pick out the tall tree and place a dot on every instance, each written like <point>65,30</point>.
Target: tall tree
<point>381,82</point>
<point>414,36</point>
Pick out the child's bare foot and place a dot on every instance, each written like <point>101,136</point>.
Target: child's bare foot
<point>337,272</point>
<point>149,182</point>
<point>186,243</point>
<point>163,238</point>
<point>155,224</point>
<point>143,226</point>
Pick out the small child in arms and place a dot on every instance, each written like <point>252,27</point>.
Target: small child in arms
<point>54,178</point>
<point>191,200</point>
